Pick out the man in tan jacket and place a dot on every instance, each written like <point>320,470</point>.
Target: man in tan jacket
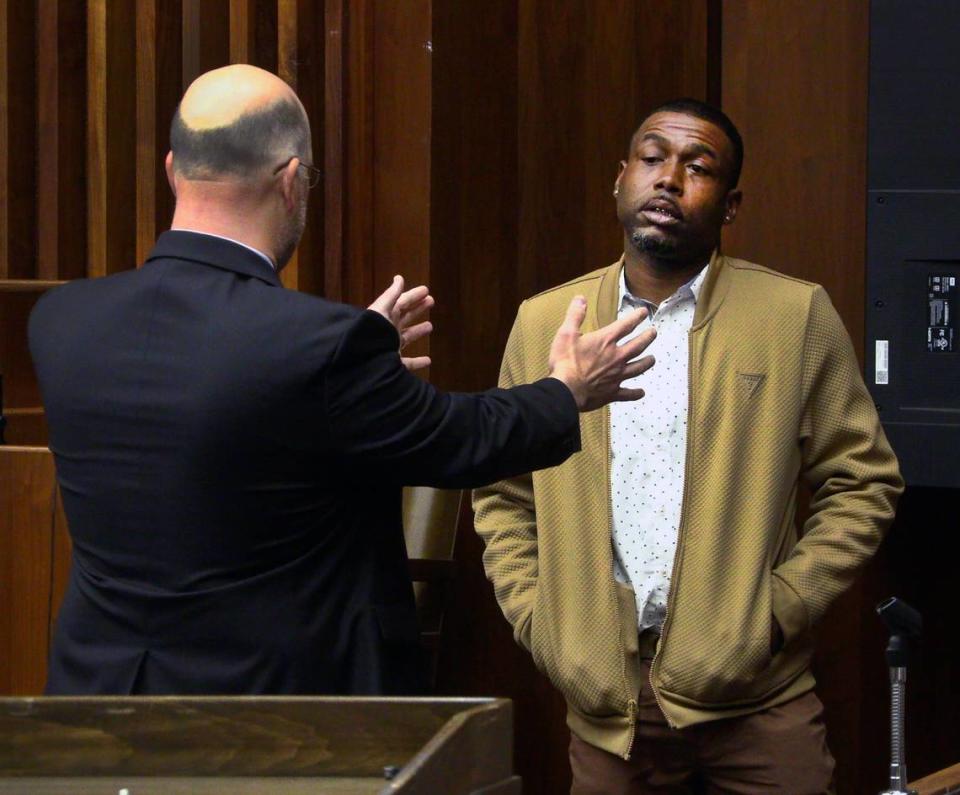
<point>657,576</point>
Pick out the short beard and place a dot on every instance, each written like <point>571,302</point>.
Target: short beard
<point>288,245</point>
<point>657,247</point>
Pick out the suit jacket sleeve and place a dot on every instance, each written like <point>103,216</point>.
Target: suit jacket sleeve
<point>850,469</point>
<point>402,430</point>
<point>506,520</point>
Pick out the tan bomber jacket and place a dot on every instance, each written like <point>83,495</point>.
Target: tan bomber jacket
<point>775,395</point>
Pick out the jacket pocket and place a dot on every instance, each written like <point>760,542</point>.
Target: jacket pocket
<point>725,660</point>
<point>583,656</point>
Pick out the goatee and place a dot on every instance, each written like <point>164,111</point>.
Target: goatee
<point>655,246</point>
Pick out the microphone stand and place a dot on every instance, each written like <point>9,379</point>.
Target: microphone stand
<point>904,624</point>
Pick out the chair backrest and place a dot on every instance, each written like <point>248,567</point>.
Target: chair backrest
<point>430,518</point>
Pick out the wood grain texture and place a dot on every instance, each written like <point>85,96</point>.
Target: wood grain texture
<point>206,37</point>
<point>26,526</point>
<point>359,154</point>
<point>943,782</point>
<point>334,187</point>
<point>18,155</point>
<point>146,182</point>
<point>400,225</point>
<point>287,41</point>
<point>17,299</point>
<point>111,146</point>
<point>190,785</point>
<point>159,63</point>
<point>242,30</point>
<point>254,736</point>
<point>4,144</point>
<point>302,63</point>
<point>61,90</point>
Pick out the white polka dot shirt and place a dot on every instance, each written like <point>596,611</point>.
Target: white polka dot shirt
<point>648,447</point>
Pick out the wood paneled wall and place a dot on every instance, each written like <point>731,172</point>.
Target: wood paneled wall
<point>34,566</point>
<point>474,146</point>
<point>87,92</point>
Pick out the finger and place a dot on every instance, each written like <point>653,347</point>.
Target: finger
<point>416,311</point>
<point>387,300</point>
<point>411,297</point>
<point>576,312</point>
<point>633,348</point>
<point>624,394</point>
<point>415,362</point>
<point>621,327</point>
<point>639,367</point>
<point>415,333</point>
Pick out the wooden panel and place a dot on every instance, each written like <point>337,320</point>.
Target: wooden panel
<point>804,177</point>
<point>158,63</point>
<point>287,41</point>
<point>359,155</point>
<point>334,188</point>
<point>254,33</point>
<point>301,43</point>
<point>401,141</point>
<point>59,186</point>
<point>269,736</point>
<point>26,526</point>
<point>17,299</point>
<point>111,149</point>
<point>18,140</point>
<point>376,146</point>
<point>4,141</point>
<point>146,60</point>
<point>195,785</point>
<point>206,37</point>
<point>943,782</point>
<point>804,184</point>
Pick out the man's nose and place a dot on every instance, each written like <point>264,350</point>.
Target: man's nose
<point>670,177</point>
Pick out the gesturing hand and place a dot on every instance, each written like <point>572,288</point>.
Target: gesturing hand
<point>403,309</point>
<point>594,365</point>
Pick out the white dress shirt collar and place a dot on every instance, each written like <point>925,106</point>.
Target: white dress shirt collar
<point>230,240</point>
<point>689,290</point>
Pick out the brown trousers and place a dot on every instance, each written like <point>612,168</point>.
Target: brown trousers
<point>782,749</point>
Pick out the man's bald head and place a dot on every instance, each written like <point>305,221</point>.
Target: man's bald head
<point>237,122</point>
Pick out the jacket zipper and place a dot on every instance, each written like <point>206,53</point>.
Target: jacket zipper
<point>680,527</point>
<point>632,705</point>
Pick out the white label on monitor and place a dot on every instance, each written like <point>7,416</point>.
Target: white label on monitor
<point>882,361</point>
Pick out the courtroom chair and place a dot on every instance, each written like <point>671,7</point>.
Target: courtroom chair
<point>430,518</point>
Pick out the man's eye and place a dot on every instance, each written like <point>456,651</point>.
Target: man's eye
<point>696,168</point>
<point>650,159</point>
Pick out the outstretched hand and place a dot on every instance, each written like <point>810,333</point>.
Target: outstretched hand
<point>404,310</point>
<point>594,365</point>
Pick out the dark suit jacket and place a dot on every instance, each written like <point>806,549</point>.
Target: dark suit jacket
<point>230,455</point>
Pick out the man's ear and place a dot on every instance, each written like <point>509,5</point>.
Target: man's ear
<point>616,182</point>
<point>288,184</point>
<point>732,202</point>
<point>168,164</point>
